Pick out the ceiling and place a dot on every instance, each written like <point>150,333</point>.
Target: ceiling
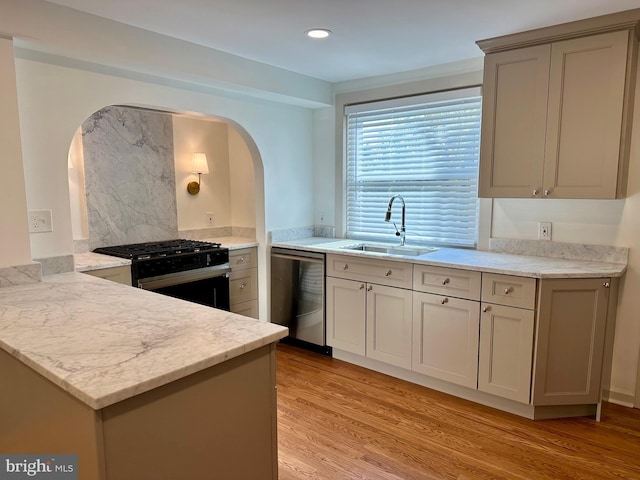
<point>370,37</point>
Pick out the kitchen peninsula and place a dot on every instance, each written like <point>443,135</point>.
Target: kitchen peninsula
<point>139,385</point>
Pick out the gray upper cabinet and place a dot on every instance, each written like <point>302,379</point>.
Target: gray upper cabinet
<point>557,107</point>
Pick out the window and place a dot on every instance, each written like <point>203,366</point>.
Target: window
<point>424,148</point>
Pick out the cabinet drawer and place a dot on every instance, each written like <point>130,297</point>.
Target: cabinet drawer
<point>509,290</point>
<point>447,281</point>
<point>243,258</point>
<point>248,309</point>
<point>381,272</point>
<point>243,285</point>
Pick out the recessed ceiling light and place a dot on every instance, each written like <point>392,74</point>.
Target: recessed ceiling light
<point>318,33</point>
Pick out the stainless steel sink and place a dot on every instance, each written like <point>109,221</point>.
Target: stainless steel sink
<point>403,251</point>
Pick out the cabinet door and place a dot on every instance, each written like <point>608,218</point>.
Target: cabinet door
<point>346,304</point>
<point>506,346</point>
<point>514,113</point>
<point>584,123</point>
<point>445,338</point>
<point>571,327</point>
<point>389,325</point>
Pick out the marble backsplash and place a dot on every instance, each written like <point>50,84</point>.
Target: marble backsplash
<point>20,275</point>
<point>217,232</point>
<point>130,176</point>
<point>286,234</point>
<point>568,251</point>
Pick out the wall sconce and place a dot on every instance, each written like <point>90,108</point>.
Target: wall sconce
<point>199,165</point>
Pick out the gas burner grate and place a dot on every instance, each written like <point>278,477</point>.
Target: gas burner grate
<point>165,248</point>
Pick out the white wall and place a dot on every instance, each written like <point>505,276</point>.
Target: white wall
<point>55,100</point>
<point>192,135</point>
<point>242,181</point>
<point>13,207</point>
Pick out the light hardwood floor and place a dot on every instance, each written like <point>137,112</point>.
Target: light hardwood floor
<point>339,421</point>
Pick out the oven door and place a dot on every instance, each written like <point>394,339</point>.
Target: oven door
<point>206,286</point>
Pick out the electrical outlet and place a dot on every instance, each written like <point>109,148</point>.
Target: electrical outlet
<point>40,221</point>
<point>544,230</point>
<point>209,219</point>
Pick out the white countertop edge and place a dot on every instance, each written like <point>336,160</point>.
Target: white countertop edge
<point>98,402</point>
<point>466,259</point>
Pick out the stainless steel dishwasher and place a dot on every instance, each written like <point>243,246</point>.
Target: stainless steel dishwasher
<point>297,297</point>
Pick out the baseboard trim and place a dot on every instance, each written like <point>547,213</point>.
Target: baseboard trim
<point>619,398</point>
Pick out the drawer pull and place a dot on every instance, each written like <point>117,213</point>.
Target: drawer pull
<point>606,285</point>
<point>388,274</point>
<point>445,281</point>
<point>508,290</point>
<point>486,309</point>
<point>547,193</point>
<point>242,285</point>
<point>535,192</point>
<point>241,260</point>
<point>346,266</point>
<point>361,286</point>
<point>444,300</point>
<point>369,288</point>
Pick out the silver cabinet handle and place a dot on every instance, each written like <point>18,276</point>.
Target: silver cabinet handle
<point>486,309</point>
<point>606,285</point>
<point>369,288</point>
<point>242,285</point>
<point>444,300</point>
<point>445,281</point>
<point>388,274</point>
<point>241,260</point>
<point>535,192</point>
<point>361,286</point>
<point>346,266</point>
<point>508,290</point>
<point>547,193</point>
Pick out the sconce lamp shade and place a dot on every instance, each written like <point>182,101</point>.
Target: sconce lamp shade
<point>199,165</point>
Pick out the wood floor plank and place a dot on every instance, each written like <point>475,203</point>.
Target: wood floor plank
<point>340,421</point>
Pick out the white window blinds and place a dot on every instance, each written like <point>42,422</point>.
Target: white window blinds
<point>424,148</point>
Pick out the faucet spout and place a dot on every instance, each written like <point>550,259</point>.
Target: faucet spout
<point>387,218</point>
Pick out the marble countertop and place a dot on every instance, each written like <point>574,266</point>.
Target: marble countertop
<point>104,342</point>
<point>234,243</point>
<point>85,262</point>
<point>502,263</point>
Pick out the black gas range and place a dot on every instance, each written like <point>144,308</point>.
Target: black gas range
<point>188,269</point>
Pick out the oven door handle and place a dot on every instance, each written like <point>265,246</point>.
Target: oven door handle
<point>171,279</point>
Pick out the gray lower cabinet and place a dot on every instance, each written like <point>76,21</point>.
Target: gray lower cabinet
<point>572,319</point>
<point>345,315</point>
<point>367,311</point>
<point>538,343</point>
<point>506,352</point>
<point>445,338</point>
<point>243,281</point>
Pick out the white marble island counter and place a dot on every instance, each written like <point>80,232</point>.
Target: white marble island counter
<point>123,370</point>
<point>104,342</point>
